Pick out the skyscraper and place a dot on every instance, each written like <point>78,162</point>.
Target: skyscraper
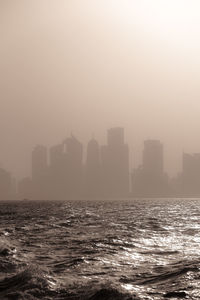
<point>115,164</point>
<point>56,155</point>
<point>57,173</point>
<point>150,179</point>
<point>66,169</point>
<point>191,174</point>
<point>153,157</point>
<point>39,162</point>
<point>92,169</point>
<point>73,151</point>
<point>39,172</point>
<point>115,137</point>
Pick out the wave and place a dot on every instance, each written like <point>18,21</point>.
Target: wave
<point>28,284</point>
<point>170,273</point>
<point>32,285</point>
<point>7,252</point>
<point>154,252</point>
<point>103,292</point>
<point>110,294</point>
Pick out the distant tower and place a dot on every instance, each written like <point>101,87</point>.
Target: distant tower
<point>57,173</point>
<point>39,162</point>
<point>153,157</point>
<point>149,180</point>
<point>191,174</point>
<point>73,150</point>
<point>39,171</point>
<point>56,155</point>
<point>115,164</point>
<point>115,137</point>
<point>92,159</point>
<point>66,169</point>
<point>92,169</point>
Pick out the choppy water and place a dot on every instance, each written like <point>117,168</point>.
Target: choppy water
<point>137,249</point>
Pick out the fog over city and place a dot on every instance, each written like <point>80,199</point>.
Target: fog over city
<point>100,149</point>
<point>86,66</point>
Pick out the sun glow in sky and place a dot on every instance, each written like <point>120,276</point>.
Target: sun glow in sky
<point>173,21</point>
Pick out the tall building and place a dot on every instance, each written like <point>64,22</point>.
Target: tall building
<point>74,150</point>
<point>74,168</point>
<point>56,155</point>
<point>115,137</point>
<point>66,169</point>
<point>153,157</point>
<point>39,162</point>
<point>150,179</point>
<point>57,173</point>
<point>191,174</point>
<point>92,169</point>
<point>39,172</point>
<point>115,164</point>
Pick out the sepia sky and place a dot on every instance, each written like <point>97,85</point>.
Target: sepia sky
<point>83,66</point>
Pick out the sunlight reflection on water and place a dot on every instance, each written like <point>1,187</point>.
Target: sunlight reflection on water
<point>145,247</point>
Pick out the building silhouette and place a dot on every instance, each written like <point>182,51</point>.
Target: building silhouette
<point>39,172</point>
<point>191,174</point>
<point>57,169</point>
<point>66,170</point>
<point>153,157</point>
<point>115,165</point>
<point>74,170</point>
<point>56,156</point>
<point>105,173</point>
<point>92,170</point>
<point>150,179</point>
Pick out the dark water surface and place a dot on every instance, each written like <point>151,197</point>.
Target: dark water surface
<point>135,249</point>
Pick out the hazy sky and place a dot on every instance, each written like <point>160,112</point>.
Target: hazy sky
<point>87,65</point>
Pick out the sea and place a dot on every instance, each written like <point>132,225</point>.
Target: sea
<point>100,250</point>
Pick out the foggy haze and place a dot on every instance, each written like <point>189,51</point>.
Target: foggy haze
<point>86,66</point>
<point>100,149</point>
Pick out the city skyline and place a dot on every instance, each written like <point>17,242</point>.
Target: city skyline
<point>62,172</point>
<point>133,164</point>
<point>135,145</point>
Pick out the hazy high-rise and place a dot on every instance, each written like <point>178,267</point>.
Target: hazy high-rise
<point>92,169</point>
<point>74,166</point>
<point>39,162</point>
<point>150,179</point>
<point>65,170</point>
<point>191,174</point>
<point>39,171</point>
<point>115,164</point>
<point>153,157</point>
